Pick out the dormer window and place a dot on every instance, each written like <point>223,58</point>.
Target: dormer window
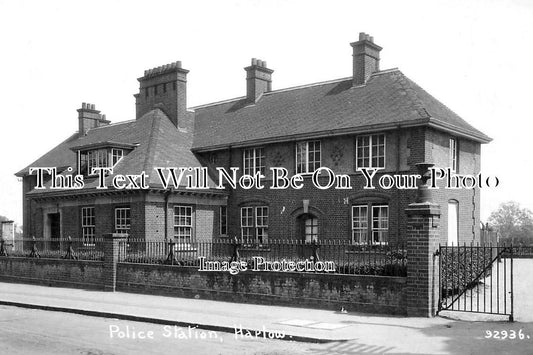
<point>102,157</point>
<point>116,155</point>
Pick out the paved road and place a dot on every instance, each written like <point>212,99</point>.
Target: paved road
<point>28,331</point>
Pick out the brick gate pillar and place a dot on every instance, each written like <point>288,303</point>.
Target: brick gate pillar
<point>112,244</point>
<point>423,226</point>
<point>423,235</point>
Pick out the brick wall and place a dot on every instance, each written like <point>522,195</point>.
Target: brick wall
<point>51,272</point>
<point>373,294</point>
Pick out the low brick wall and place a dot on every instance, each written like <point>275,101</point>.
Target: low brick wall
<point>372,294</point>
<point>52,272</point>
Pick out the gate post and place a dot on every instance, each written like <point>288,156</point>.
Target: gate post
<point>422,240</point>
<point>112,245</point>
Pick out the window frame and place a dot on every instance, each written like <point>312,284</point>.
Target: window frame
<point>223,221</point>
<point>87,236</point>
<point>313,237</point>
<point>126,226</point>
<point>305,153</point>
<point>367,224</point>
<point>371,154</point>
<point>255,230</point>
<point>453,154</point>
<point>257,159</point>
<point>119,156</point>
<point>182,243</point>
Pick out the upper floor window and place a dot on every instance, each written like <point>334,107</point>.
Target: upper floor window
<point>254,225</point>
<point>307,157</point>
<point>453,154</point>
<point>253,161</point>
<point>116,155</point>
<point>88,225</point>
<point>122,220</point>
<point>370,224</point>
<point>98,158</point>
<point>370,151</point>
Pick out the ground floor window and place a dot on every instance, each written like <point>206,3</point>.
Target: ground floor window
<point>183,226</point>
<point>87,225</point>
<point>122,220</point>
<point>310,223</point>
<point>223,220</point>
<point>254,225</point>
<point>370,224</point>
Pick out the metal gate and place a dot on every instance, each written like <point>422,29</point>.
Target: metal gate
<point>476,279</point>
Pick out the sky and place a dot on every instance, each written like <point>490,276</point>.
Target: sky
<point>474,56</point>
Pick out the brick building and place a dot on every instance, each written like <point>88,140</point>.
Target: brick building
<point>375,119</point>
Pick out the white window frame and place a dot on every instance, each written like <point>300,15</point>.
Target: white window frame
<point>183,226</point>
<point>373,228</point>
<point>453,154</point>
<point>122,220</point>
<point>116,155</point>
<point>223,230</point>
<point>247,224</point>
<point>305,165</point>
<point>380,224</point>
<point>360,225</point>
<point>88,225</point>
<point>254,225</point>
<point>371,153</point>
<point>253,161</point>
<point>312,227</point>
<point>261,225</point>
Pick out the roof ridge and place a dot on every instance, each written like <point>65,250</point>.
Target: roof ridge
<point>111,124</point>
<point>290,88</point>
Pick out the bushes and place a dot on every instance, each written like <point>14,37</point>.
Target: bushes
<point>463,268</point>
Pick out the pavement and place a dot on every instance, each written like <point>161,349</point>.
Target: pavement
<point>380,333</point>
<point>300,324</point>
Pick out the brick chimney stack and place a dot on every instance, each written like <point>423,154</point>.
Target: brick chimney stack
<point>365,58</point>
<point>89,117</point>
<point>165,87</point>
<point>258,79</point>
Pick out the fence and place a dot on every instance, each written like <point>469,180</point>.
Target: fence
<point>66,248</point>
<point>347,258</point>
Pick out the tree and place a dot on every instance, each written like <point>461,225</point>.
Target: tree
<point>513,223</point>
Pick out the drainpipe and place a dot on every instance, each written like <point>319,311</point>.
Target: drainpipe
<point>167,195</point>
<point>398,158</point>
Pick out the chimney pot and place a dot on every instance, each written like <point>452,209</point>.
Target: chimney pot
<point>365,58</point>
<point>172,102</point>
<point>258,79</point>
<point>83,105</point>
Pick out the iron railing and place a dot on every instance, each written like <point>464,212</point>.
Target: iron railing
<point>346,257</point>
<point>64,248</point>
<point>476,279</point>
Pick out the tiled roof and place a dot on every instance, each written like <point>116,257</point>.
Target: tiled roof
<point>388,99</point>
<point>159,144</point>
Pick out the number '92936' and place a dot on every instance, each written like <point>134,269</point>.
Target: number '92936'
<point>506,334</point>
